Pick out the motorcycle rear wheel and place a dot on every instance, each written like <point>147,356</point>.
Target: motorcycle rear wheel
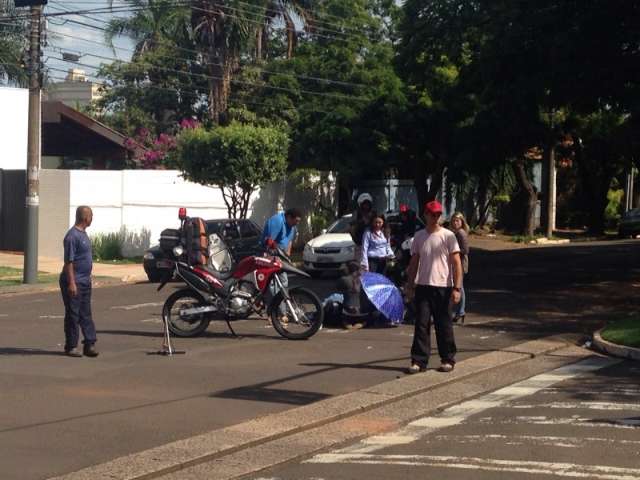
<point>179,324</point>
<point>308,311</point>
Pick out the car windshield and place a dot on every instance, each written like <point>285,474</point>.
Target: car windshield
<point>342,225</point>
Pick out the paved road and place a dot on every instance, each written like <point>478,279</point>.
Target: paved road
<point>128,400</point>
<point>578,421</point>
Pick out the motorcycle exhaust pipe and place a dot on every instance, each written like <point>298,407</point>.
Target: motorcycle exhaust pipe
<point>198,310</point>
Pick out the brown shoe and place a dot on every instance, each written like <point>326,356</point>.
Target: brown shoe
<point>90,351</point>
<point>72,352</point>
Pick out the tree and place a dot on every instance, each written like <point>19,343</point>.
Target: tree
<point>224,30</point>
<point>13,44</point>
<point>339,94</point>
<point>238,159</point>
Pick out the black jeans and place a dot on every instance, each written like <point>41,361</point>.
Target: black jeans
<point>432,302</point>
<point>377,264</point>
<point>77,315</point>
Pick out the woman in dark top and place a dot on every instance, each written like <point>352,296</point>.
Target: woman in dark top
<point>460,228</point>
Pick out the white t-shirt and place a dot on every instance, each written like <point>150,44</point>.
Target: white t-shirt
<point>435,251</point>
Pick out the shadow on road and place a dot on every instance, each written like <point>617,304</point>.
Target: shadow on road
<point>30,351</point>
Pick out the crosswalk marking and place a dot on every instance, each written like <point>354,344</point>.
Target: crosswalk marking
<point>459,413</point>
<point>594,472</point>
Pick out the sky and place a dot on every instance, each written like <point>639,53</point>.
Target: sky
<point>66,36</point>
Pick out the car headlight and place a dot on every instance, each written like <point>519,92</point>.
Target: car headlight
<point>308,249</point>
<point>351,249</point>
<point>148,256</point>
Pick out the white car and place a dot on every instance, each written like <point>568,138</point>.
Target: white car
<point>331,250</point>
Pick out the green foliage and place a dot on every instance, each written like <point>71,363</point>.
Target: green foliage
<point>13,46</point>
<point>107,246</point>
<point>613,211</point>
<point>237,158</point>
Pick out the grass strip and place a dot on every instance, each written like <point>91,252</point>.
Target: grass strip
<point>624,331</point>
<point>10,277</point>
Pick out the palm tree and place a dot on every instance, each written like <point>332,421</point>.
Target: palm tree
<point>155,23</point>
<point>287,11</point>
<point>225,29</point>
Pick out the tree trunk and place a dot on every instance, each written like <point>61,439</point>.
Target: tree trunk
<point>526,187</point>
<point>483,202</point>
<point>259,33</point>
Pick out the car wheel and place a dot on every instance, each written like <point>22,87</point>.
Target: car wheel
<point>154,276</point>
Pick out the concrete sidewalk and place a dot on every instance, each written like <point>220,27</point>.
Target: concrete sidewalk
<point>123,273</point>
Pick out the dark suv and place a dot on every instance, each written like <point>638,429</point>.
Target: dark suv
<point>241,236</point>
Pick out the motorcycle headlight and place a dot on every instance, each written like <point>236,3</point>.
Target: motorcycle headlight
<point>148,256</point>
<point>178,251</point>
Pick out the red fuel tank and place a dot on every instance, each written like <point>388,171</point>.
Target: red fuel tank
<point>265,265</point>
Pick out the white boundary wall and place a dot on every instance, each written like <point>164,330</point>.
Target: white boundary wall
<point>145,202</point>
<point>13,127</point>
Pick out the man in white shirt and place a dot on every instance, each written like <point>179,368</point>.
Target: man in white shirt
<point>434,279</point>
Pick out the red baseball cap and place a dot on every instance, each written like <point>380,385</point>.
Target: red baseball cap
<point>433,206</point>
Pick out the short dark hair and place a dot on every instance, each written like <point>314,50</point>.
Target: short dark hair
<point>293,212</point>
<point>82,212</point>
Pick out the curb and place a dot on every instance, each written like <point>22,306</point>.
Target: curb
<point>614,349</point>
<point>53,287</point>
<point>175,456</point>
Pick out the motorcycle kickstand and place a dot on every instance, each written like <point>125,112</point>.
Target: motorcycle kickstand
<point>231,328</point>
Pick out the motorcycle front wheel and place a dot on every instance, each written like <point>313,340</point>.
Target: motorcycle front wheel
<point>308,314</point>
<point>176,313</point>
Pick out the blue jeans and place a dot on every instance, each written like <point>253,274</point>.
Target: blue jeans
<point>77,315</point>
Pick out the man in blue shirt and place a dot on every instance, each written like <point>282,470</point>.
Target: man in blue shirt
<point>75,285</point>
<point>281,228</point>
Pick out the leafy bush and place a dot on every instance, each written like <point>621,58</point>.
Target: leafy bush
<point>613,211</point>
<point>107,246</point>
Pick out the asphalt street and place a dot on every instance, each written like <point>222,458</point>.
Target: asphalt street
<point>577,421</point>
<point>59,414</point>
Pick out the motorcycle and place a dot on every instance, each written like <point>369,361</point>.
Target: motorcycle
<point>296,313</point>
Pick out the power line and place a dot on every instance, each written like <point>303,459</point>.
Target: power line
<point>264,70</point>
<point>240,82</point>
<point>131,9</point>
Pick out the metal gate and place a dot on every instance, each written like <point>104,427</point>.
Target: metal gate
<point>13,190</point>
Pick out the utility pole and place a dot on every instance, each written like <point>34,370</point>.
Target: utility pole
<point>30,272</point>
<point>551,192</point>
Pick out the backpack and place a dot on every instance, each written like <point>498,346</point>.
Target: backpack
<point>195,240</point>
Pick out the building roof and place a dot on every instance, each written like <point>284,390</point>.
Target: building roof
<point>66,131</point>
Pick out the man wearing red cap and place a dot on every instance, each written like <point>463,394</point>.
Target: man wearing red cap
<point>434,279</point>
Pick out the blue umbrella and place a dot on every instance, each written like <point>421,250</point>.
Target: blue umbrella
<point>384,295</point>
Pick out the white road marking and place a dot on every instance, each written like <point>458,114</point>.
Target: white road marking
<point>151,320</point>
<point>613,391</point>
<point>136,306</point>
<point>583,405</point>
<point>545,440</point>
<point>459,413</point>
<point>562,469</point>
<point>4,315</point>
<point>51,316</point>
<point>573,421</point>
